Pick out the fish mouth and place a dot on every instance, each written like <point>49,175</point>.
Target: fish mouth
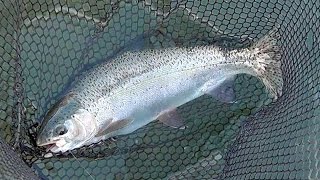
<point>49,145</point>
<point>39,143</point>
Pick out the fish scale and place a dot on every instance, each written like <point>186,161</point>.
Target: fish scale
<point>110,76</point>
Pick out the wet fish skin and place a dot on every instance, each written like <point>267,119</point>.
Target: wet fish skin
<point>136,88</point>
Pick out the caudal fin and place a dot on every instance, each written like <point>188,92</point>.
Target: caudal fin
<point>267,62</point>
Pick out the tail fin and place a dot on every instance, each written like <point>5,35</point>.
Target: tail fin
<point>267,62</point>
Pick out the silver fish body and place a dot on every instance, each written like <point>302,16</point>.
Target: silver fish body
<point>161,86</point>
<point>136,88</point>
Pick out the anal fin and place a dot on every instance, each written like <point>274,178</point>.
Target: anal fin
<point>172,118</point>
<point>224,92</point>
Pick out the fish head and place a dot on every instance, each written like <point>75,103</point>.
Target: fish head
<point>66,126</point>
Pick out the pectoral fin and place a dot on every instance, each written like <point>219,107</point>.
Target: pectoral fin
<point>224,92</point>
<point>172,119</point>
<point>113,126</point>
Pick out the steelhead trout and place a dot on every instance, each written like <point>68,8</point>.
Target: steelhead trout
<point>136,88</point>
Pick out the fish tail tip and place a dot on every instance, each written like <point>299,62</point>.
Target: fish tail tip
<point>268,62</point>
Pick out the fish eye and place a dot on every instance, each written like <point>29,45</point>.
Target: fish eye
<point>61,130</point>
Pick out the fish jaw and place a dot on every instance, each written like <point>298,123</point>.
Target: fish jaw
<point>59,144</point>
<point>51,144</point>
<point>46,139</point>
<point>44,142</point>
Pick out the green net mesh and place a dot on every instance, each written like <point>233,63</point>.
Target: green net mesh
<point>44,45</point>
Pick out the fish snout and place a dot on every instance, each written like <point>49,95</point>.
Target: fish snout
<point>42,140</point>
